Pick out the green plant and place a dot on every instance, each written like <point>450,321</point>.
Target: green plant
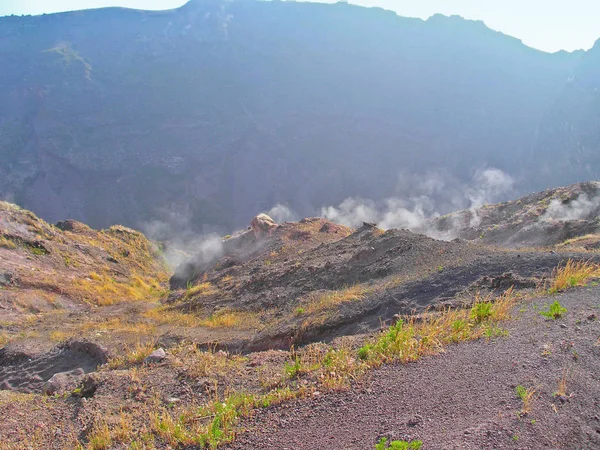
<point>555,311</point>
<point>526,396</point>
<point>299,311</point>
<point>398,445</point>
<point>293,369</point>
<point>364,351</point>
<point>481,311</point>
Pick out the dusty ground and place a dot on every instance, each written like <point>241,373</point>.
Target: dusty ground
<point>466,397</point>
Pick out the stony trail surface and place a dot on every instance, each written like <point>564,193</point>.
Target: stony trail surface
<point>464,398</point>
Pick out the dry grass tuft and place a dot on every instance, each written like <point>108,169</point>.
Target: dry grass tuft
<point>232,319</point>
<point>6,243</point>
<point>324,301</point>
<point>132,355</point>
<point>562,384</point>
<point>4,339</point>
<point>200,290</point>
<point>573,273</point>
<point>100,438</point>
<point>117,325</point>
<point>164,316</point>
<point>61,336</point>
<point>199,364</point>
<point>527,396</point>
<point>104,290</point>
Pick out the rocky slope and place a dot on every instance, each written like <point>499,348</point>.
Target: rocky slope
<point>537,220</point>
<point>94,354</point>
<point>110,115</point>
<point>69,266</point>
<point>315,280</point>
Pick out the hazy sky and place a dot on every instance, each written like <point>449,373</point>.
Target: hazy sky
<point>549,25</point>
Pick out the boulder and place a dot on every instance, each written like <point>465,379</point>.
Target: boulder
<point>73,226</point>
<point>63,382</point>
<point>262,225</point>
<point>156,356</point>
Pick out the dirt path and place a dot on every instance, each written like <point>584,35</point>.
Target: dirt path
<point>465,398</point>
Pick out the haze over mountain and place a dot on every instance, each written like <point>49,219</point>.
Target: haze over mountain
<point>210,113</point>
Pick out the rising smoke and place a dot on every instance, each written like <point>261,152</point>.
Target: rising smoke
<point>282,213</point>
<point>581,208</point>
<point>181,240</point>
<point>432,194</point>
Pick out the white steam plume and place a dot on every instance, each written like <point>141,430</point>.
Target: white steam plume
<point>181,240</point>
<point>581,208</point>
<point>432,194</point>
<point>281,213</point>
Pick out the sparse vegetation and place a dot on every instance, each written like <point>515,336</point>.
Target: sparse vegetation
<point>527,397</point>
<point>562,384</point>
<point>481,311</point>
<point>100,438</point>
<point>105,290</point>
<point>407,340</point>
<point>554,311</point>
<point>573,273</point>
<point>383,444</point>
<point>231,319</point>
<point>4,339</point>
<point>7,243</point>
<point>199,290</point>
<point>132,355</point>
<point>328,300</point>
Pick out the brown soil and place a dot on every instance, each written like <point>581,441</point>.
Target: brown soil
<point>466,397</point>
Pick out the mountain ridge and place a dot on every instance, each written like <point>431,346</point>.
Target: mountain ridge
<point>113,127</point>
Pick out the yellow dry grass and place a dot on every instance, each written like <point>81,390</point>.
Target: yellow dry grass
<point>578,239</point>
<point>4,339</point>
<point>104,290</point>
<point>100,437</point>
<point>231,319</point>
<point>223,319</point>
<point>562,384</point>
<point>132,355</point>
<point>573,273</point>
<point>6,243</point>
<point>61,336</point>
<point>165,316</point>
<point>208,363</point>
<point>200,290</point>
<point>117,324</point>
<point>329,300</point>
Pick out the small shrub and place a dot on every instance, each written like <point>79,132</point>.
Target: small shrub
<point>555,311</point>
<point>364,351</point>
<point>481,311</point>
<point>292,369</point>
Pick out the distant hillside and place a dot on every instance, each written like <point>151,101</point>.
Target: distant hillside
<point>218,110</point>
<point>565,216</point>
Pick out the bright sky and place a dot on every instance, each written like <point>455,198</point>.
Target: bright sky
<point>549,25</point>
